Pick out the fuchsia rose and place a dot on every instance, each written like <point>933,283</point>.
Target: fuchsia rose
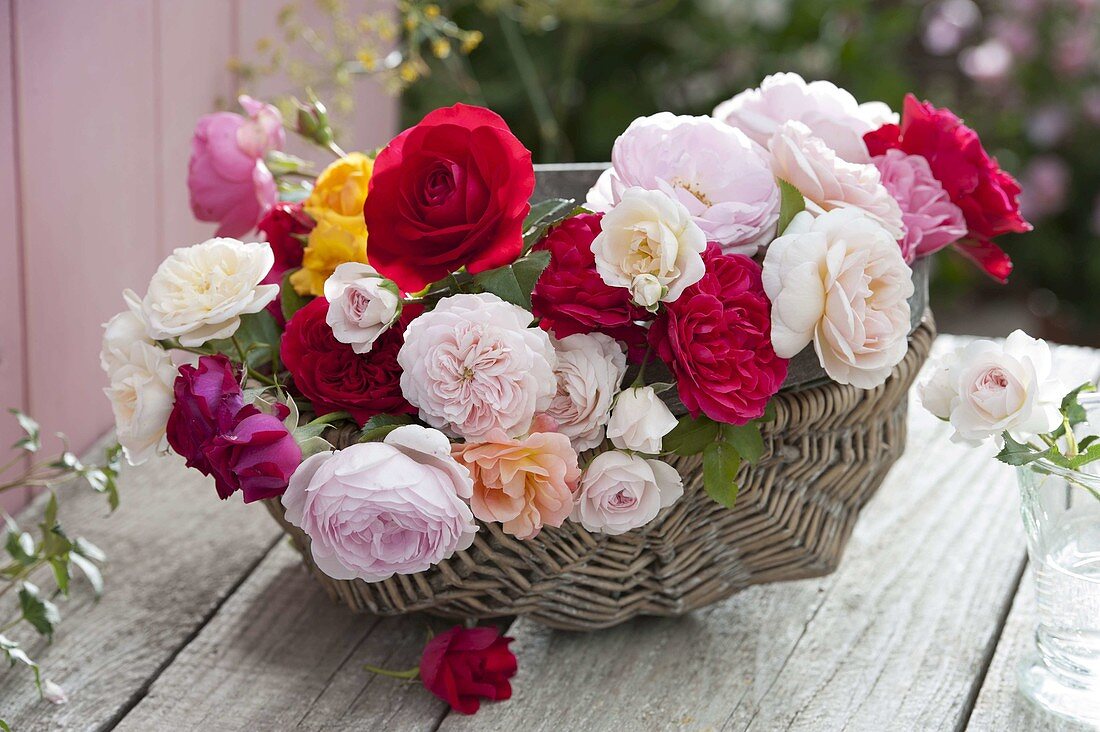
<point>207,399</point>
<point>716,339</point>
<point>570,297</point>
<point>282,225</point>
<point>226,177</point>
<point>931,221</point>
<point>987,195</point>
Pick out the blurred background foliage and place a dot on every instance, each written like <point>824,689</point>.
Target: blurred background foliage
<point>570,75</point>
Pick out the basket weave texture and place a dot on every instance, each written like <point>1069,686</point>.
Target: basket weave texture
<point>826,453</point>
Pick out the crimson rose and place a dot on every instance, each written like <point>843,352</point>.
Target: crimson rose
<point>716,339</point>
<point>463,666</point>
<point>283,224</point>
<point>975,182</point>
<point>571,297</point>
<point>334,377</point>
<point>450,192</point>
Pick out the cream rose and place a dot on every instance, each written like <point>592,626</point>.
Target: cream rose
<point>986,388</point>
<point>619,492</point>
<point>199,293</point>
<point>362,305</point>
<point>829,182</point>
<point>649,234</point>
<point>839,281</point>
<point>472,365</point>
<point>140,392</point>
<point>639,421</point>
<point>120,333</point>
<point>589,369</point>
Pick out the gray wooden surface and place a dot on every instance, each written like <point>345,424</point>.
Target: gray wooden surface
<point>209,623</point>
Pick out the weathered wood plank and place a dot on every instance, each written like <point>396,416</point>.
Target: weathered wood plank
<point>279,654</point>
<point>897,638</point>
<point>174,553</point>
<point>1000,704</point>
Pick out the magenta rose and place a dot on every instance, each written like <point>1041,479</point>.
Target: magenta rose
<point>207,399</point>
<point>716,339</point>
<point>257,456</point>
<point>226,177</point>
<point>571,297</point>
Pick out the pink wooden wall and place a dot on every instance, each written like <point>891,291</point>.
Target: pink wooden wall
<point>97,102</point>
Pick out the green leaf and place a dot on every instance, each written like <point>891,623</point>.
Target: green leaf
<point>37,610</point>
<point>20,546</point>
<point>542,216</point>
<point>314,445</point>
<point>380,425</point>
<point>61,574</point>
<point>258,335</point>
<point>691,436</point>
<point>4,727</point>
<point>289,298</point>
<point>15,654</point>
<point>85,548</point>
<point>769,413</point>
<point>514,282</point>
<point>1089,455</point>
<point>746,439</point>
<point>1018,453</point>
<point>791,202</point>
<point>85,565</point>
<point>32,437</point>
<point>1087,440</point>
<point>720,465</point>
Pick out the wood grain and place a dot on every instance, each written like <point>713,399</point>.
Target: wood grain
<point>175,552</point>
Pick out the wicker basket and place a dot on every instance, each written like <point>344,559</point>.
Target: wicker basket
<point>827,451</point>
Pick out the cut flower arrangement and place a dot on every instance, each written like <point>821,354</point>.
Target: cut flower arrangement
<point>413,367</point>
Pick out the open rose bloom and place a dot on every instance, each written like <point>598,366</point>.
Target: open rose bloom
<point>412,357</point>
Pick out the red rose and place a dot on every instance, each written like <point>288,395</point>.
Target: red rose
<point>463,666</point>
<point>716,338</point>
<point>975,182</point>
<point>283,224</point>
<point>336,378</point>
<point>571,297</point>
<point>450,192</point>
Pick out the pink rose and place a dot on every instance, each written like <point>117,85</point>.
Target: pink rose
<point>376,509</point>
<point>226,177</point>
<point>931,221</point>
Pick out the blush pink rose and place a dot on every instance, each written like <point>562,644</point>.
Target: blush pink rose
<point>376,509</point>
<point>226,177</point>
<point>931,221</point>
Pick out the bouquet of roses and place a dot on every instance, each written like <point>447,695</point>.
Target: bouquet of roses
<point>480,359</point>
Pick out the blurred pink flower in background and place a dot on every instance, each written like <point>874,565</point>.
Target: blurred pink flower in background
<point>226,177</point>
<point>1045,183</point>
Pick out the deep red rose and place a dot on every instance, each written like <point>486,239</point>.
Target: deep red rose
<point>282,225</point>
<point>334,377</point>
<point>716,339</point>
<point>257,456</point>
<point>571,297</point>
<point>207,399</point>
<point>987,195</point>
<point>450,192</point>
<point>465,665</point>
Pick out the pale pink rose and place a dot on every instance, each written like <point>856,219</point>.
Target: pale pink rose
<point>226,176</point>
<point>620,492</point>
<point>362,305</point>
<point>589,369</point>
<point>839,281</point>
<point>931,220</point>
<point>525,483</point>
<point>720,176</point>
<point>829,111</point>
<point>829,182</point>
<point>376,509</point>
<point>472,365</point>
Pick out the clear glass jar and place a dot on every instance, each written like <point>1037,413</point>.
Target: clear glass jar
<point>1061,512</point>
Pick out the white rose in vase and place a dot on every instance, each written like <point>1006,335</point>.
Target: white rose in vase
<point>589,369</point>
<point>362,305</point>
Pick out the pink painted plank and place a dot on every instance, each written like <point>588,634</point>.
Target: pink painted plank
<point>12,372</point>
<point>86,79</point>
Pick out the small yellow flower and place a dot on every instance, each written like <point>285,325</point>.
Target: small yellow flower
<point>471,41</point>
<point>431,11</point>
<point>339,193</point>
<point>329,246</point>
<point>441,47</point>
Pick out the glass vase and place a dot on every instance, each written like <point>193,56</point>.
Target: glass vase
<point>1061,512</point>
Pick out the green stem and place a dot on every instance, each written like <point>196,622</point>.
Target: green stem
<point>8,626</point>
<point>410,674</point>
<point>639,380</point>
<point>1071,439</point>
<point>549,130</point>
<point>336,149</point>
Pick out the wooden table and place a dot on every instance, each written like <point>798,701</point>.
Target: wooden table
<point>210,623</point>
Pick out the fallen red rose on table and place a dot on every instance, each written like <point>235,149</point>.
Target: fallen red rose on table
<point>464,665</point>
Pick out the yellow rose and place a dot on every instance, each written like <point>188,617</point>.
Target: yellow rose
<point>329,246</point>
<point>340,191</point>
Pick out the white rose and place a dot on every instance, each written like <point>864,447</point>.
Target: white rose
<point>829,182</point>
<point>141,398</point>
<point>829,111</point>
<point>199,293</point>
<point>362,305</point>
<point>839,280</point>
<point>648,233</point>
<point>619,492</point>
<point>646,290</point>
<point>986,388</point>
<point>120,333</point>
<point>639,420</point>
<point>589,370</point>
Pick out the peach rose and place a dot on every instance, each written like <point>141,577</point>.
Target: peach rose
<point>524,483</point>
